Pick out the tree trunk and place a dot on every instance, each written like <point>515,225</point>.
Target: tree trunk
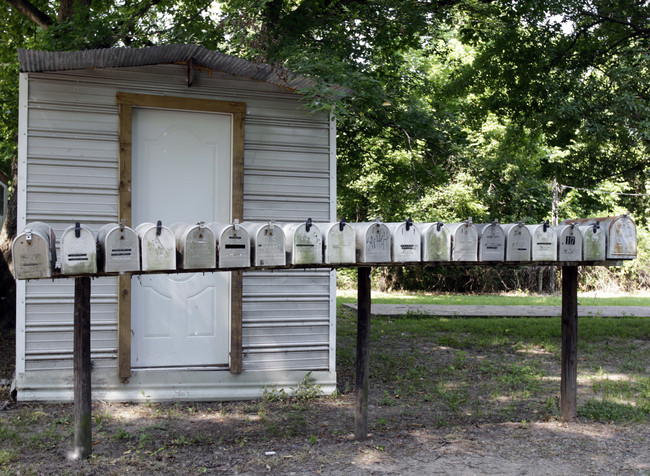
<point>7,282</point>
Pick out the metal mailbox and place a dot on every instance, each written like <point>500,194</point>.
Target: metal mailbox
<point>569,242</point>
<point>267,244</point>
<point>78,250</point>
<point>518,242</point>
<point>233,245</point>
<point>543,242</point>
<point>435,242</point>
<point>157,247</point>
<point>34,251</point>
<point>406,246</point>
<point>118,249</point>
<point>304,243</point>
<point>594,242</point>
<point>464,238</point>
<point>373,242</point>
<point>491,242</point>
<point>196,246</point>
<point>620,233</point>
<point>339,246</point>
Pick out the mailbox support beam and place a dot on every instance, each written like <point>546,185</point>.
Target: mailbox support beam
<point>363,354</point>
<point>82,388</point>
<point>569,375</point>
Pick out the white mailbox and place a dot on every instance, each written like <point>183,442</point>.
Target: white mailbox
<point>304,243</point>
<point>233,245</point>
<point>34,251</point>
<point>157,247</point>
<point>196,246</point>
<point>436,242</point>
<point>373,242</point>
<point>339,246</point>
<point>543,242</point>
<point>569,242</point>
<point>594,242</point>
<point>118,249</point>
<point>491,242</point>
<point>518,242</point>
<point>406,242</point>
<point>464,238</point>
<point>78,250</point>
<point>621,237</point>
<point>267,244</point>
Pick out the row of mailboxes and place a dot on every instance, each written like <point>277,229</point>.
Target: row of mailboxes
<point>155,247</point>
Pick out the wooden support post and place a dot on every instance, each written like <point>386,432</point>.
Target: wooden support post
<point>569,376</point>
<point>363,354</point>
<point>82,387</point>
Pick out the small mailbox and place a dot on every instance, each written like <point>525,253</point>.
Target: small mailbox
<point>118,249</point>
<point>196,246</point>
<point>518,242</point>
<point>464,241</point>
<point>406,242</point>
<point>78,250</point>
<point>491,242</point>
<point>569,243</point>
<point>233,245</point>
<point>157,247</point>
<point>373,242</point>
<point>339,246</point>
<point>303,242</point>
<point>267,244</point>
<point>594,242</point>
<point>543,242</point>
<point>34,252</point>
<point>435,242</point>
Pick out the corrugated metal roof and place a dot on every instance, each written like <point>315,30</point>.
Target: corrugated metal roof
<point>40,61</point>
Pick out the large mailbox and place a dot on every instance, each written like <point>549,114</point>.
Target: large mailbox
<point>594,242</point>
<point>406,242</point>
<point>491,242</point>
<point>620,233</point>
<point>34,252</point>
<point>118,249</point>
<point>518,242</point>
<point>196,246</point>
<point>304,243</point>
<point>233,245</point>
<point>464,241</point>
<point>157,247</point>
<point>543,242</point>
<point>267,244</point>
<point>569,242</point>
<point>373,242</point>
<point>435,242</point>
<point>78,250</point>
<point>339,245</point>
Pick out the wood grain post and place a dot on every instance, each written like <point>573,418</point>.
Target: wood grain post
<point>363,354</point>
<point>82,364</point>
<point>569,377</point>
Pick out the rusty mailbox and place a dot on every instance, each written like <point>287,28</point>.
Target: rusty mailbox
<point>339,246</point>
<point>233,245</point>
<point>464,238</point>
<point>118,249</point>
<point>196,246</point>
<point>267,243</point>
<point>491,242</point>
<point>406,239</point>
<point>304,243</point>
<point>373,242</point>
<point>34,251</point>
<point>435,242</point>
<point>78,250</point>
<point>157,247</point>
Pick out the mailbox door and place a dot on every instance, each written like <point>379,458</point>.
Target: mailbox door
<point>593,243</point>
<point>199,248</point>
<point>31,256</point>
<point>492,243</point>
<point>406,244</point>
<point>373,243</point>
<point>121,250</point>
<point>570,243</point>
<point>518,244</point>
<point>544,243</point>
<point>270,246</point>
<point>234,248</point>
<point>78,253</point>
<point>622,238</point>
<point>339,244</point>
<point>436,243</point>
<point>307,245</point>
<point>465,243</point>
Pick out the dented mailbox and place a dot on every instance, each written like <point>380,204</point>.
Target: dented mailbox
<point>543,242</point>
<point>518,242</point>
<point>339,246</point>
<point>233,245</point>
<point>435,242</point>
<point>569,242</point>
<point>157,247</point>
<point>78,250</point>
<point>267,244</point>
<point>464,238</point>
<point>491,242</point>
<point>304,243</point>
<point>196,246</point>
<point>373,242</point>
<point>34,252</point>
<point>406,242</point>
<point>118,249</point>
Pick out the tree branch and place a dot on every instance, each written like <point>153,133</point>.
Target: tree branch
<point>31,12</point>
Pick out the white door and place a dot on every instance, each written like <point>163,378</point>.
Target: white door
<point>181,172</point>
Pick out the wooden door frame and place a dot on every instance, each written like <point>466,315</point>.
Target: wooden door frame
<point>126,102</point>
